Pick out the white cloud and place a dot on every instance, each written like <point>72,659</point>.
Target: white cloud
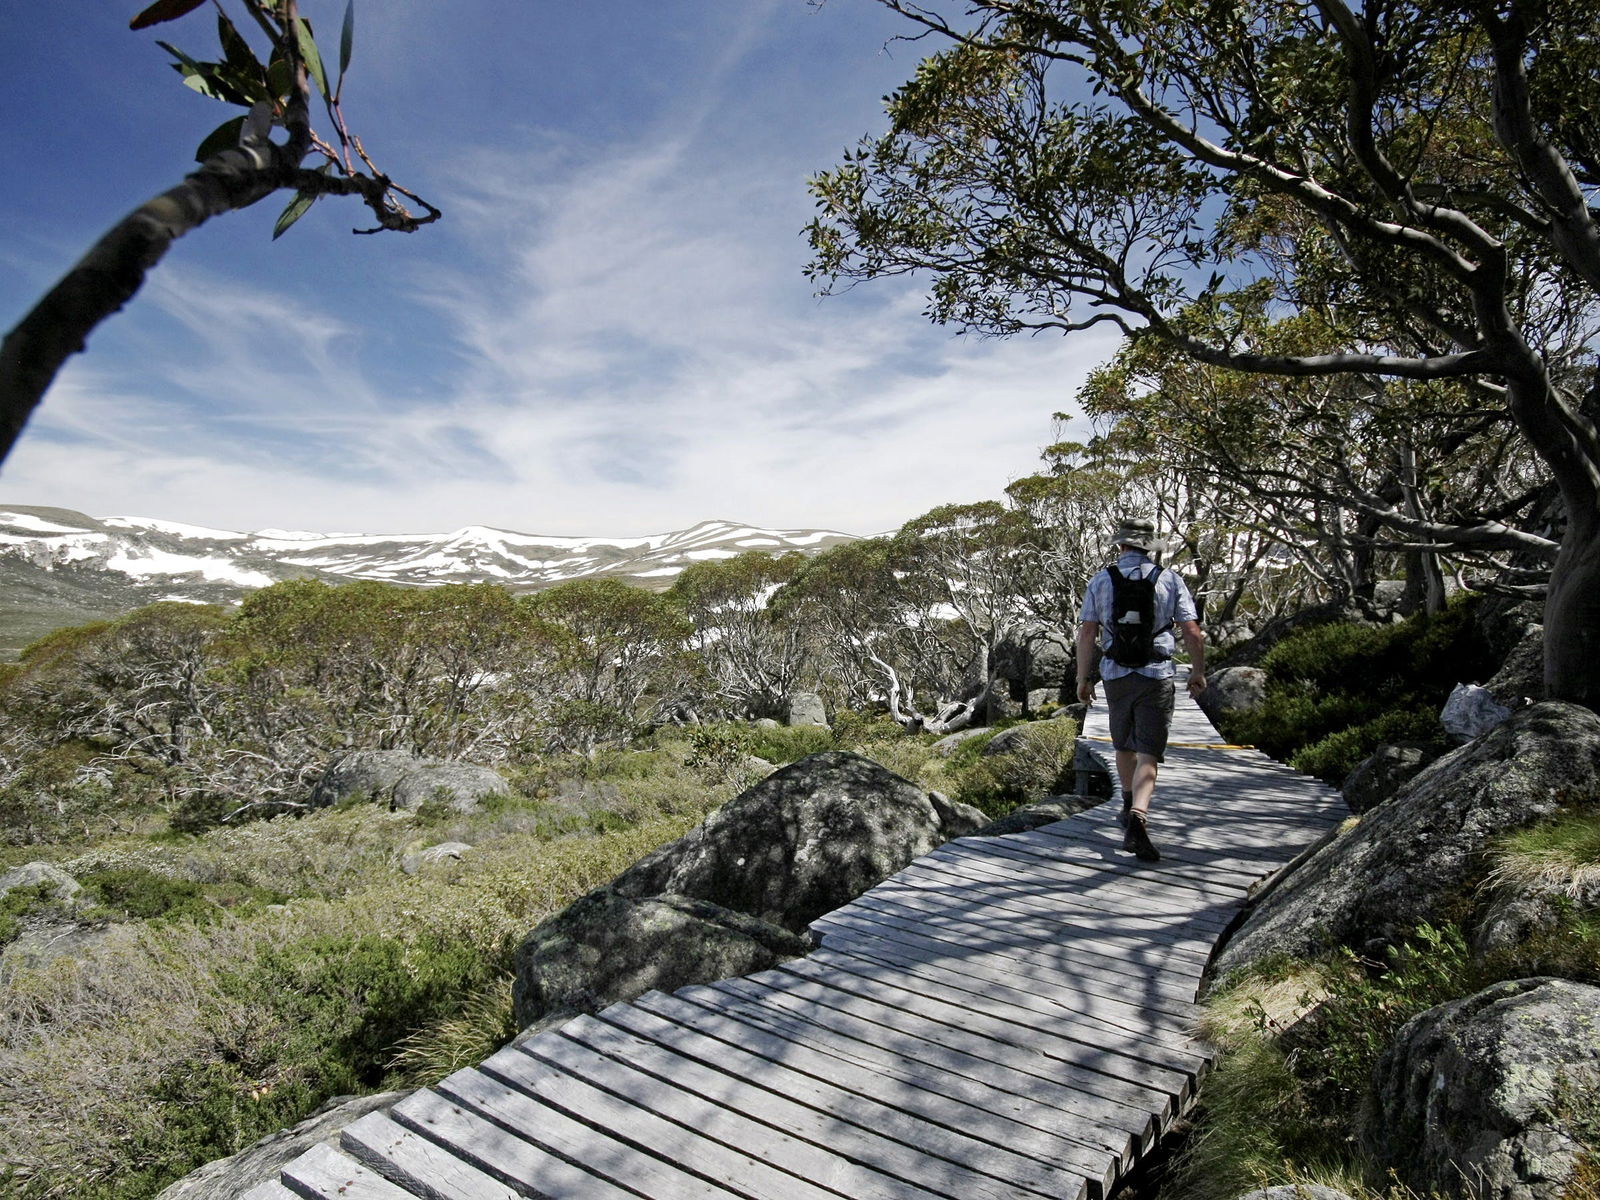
<point>632,348</point>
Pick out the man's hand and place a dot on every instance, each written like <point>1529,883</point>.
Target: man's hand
<point>1197,682</point>
<point>1086,691</point>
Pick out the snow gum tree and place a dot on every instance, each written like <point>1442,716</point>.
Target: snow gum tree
<point>1419,178</point>
<point>271,68</point>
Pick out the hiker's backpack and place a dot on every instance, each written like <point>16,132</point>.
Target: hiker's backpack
<point>1133,620</point>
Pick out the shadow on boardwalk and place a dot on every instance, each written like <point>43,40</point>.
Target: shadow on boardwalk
<point>1006,1017</point>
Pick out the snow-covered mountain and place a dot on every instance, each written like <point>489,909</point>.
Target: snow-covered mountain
<point>59,567</point>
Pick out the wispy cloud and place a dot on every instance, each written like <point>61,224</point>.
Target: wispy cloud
<point>622,342</point>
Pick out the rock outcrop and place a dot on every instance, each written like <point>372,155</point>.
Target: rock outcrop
<point>807,708</point>
<point>261,1162</point>
<point>62,887</point>
<point>608,947</point>
<point>1410,858</point>
<point>803,841</point>
<point>1233,690</point>
<point>404,781</point>
<point>1384,772</point>
<point>1478,1097</point>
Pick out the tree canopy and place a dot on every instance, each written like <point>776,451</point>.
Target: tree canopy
<point>1386,193</point>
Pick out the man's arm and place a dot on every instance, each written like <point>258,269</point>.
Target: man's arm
<point>1088,659</point>
<point>1194,641</point>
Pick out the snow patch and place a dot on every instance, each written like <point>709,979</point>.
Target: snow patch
<point>174,528</point>
<point>158,562</point>
<point>35,524</point>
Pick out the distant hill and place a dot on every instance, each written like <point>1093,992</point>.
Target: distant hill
<point>59,567</point>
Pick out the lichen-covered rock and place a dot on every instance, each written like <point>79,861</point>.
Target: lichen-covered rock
<point>261,1162</point>
<point>1384,772</point>
<point>608,947</point>
<point>1532,907</point>
<point>1478,1097</point>
<point>462,786</point>
<point>946,746</point>
<point>800,843</point>
<point>1413,857</point>
<point>363,774</point>
<point>1471,712</point>
<point>63,887</point>
<point>431,856</point>
<point>405,781</point>
<point>806,708</point>
<point>955,818</point>
<point>1233,690</point>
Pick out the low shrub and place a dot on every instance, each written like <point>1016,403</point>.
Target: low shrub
<point>1337,692</point>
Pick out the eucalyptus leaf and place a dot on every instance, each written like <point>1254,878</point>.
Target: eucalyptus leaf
<point>237,51</point>
<point>296,209</point>
<point>310,55</point>
<point>223,137</point>
<point>164,10</point>
<point>347,37</point>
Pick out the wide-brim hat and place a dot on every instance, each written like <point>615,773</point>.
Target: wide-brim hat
<point>1138,532</point>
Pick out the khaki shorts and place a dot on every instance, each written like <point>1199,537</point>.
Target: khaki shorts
<point>1141,713</point>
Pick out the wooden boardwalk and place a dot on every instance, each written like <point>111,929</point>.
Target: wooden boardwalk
<point>1005,1018</point>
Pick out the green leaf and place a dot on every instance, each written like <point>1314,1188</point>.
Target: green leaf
<point>310,55</point>
<point>223,137</point>
<point>241,59</point>
<point>278,79</point>
<point>347,37</point>
<point>164,10</point>
<point>296,209</point>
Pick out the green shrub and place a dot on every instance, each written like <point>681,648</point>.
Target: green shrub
<point>142,894</point>
<point>1337,754</point>
<point>790,743</point>
<point>1337,692</point>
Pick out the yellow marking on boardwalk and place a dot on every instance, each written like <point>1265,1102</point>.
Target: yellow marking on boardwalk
<point>1176,745</point>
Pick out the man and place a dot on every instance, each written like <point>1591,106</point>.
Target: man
<point>1128,614</point>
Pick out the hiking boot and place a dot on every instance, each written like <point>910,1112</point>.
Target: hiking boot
<point>1138,839</point>
<point>1127,807</point>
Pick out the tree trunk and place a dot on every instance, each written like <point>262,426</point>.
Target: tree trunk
<point>1572,615</point>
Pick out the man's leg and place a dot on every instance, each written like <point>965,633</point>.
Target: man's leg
<point>1136,773</point>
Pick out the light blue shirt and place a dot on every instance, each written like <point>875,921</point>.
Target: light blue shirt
<point>1173,605</point>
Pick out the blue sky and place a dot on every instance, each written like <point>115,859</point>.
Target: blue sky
<point>608,333</point>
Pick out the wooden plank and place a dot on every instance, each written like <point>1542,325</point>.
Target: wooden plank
<point>1249,860</point>
<point>422,1167</point>
<point>969,937</point>
<point>1047,1103</point>
<point>1048,896</point>
<point>322,1173</point>
<point>1013,1004</point>
<point>1156,887</point>
<point>772,1161</point>
<point>1166,873</point>
<point>271,1189</point>
<point>1032,970</point>
<point>1094,929</point>
<point>1114,1010</point>
<point>1126,1107</point>
<point>1001,1116</point>
<point>536,1148</point>
<point>1094,889</point>
<point>662,1159</point>
<point>1156,965</point>
<point>877,1136</point>
<point>1102,1069</point>
<point>1009,887</point>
